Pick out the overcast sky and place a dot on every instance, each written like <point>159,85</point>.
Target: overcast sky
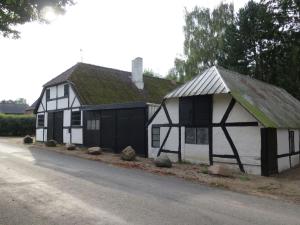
<point>110,33</point>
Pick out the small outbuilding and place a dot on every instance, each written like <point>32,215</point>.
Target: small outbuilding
<point>97,106</point>
<point>224,117</point>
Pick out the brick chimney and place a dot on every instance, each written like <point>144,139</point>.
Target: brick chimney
<point>137,72</point>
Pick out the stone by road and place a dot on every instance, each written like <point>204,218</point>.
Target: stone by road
<point>41,187</point>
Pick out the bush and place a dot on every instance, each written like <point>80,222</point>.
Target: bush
<point>17,125</point>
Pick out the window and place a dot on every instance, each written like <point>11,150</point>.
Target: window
<point>292,141</point>
<point>197,136</point>
<point>41,120</point>
<point>195,110</point>
<point>93,125</point>
<point>66,90</point>
<point>155,137</point>
<point>47,94</point>
<point>76,118</point>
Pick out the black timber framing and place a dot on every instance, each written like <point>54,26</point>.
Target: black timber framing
<point>170,125</point>
<point>227,135</point>
<point>223,124</point>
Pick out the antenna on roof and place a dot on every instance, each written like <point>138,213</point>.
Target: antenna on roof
<point>81,55</point>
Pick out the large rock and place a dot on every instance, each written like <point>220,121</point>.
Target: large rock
<point>163,161</point>
<point>94,151</point>
<point>128,154</point>
<point>51,143</point>
<point>220,170</point>
<point>27,139</point>
<point>70,147</point>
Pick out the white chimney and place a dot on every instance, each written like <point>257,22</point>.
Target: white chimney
<point>137,72</point>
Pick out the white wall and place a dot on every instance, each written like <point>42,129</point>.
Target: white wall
<point>283,148</point>
<point>63,104</point>
<point>246,139</point>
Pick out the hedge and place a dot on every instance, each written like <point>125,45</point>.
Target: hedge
<point>17,125</point>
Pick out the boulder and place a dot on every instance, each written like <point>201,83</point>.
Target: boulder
<point>128,154</point>
<point>163,161</point>
<point>27,140</point>
<point>94,151</point>
<point>220,170</point>
<point>70,147</point>
<point>51,143</point>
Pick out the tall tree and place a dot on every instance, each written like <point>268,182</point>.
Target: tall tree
<point>264,43</point>
<point>15,12</point>
<point>204,32</point>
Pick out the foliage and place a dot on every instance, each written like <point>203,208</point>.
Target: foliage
<point>15,12</point>
<point>262,40</point>
<point>204,31</point>
<point>17,125</point>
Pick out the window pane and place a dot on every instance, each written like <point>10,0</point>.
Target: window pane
<point>76,118</point>
<point>66,90</point>
<point>97,124</point>
<point>155,130</point>
<point>155,137</point>
<point>190,135</point>
<point>40,120</point>
<point>93,124</point>
<point>88,125</point>
<point>202,136</point>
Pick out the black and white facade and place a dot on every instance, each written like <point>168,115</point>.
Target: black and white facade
<point>96,106</point>
<point>59,115</point>
<point>218,117</point>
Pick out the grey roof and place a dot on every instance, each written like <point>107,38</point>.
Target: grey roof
<point>270,105</point>
<point>208,82</point>
<point>12,108</point>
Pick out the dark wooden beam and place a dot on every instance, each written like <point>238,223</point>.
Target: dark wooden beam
<point>235,152</point>
<point>164,141</point>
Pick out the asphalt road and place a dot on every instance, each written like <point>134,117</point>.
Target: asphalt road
<point>44,187</point>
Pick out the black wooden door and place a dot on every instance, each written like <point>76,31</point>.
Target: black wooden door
<point>92,128</point>
<point>269,163</point>
<point>55,126</point>
<point>131,130</point>
<point>107,129</point>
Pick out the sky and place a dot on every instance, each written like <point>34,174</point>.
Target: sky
<point>110,34</point>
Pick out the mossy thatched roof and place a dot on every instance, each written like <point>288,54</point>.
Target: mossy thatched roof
<point>97,85</point>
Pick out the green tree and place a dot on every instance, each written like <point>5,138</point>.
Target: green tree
<point>264,43</point>
<point>16,12</point>
<point>204,38</point>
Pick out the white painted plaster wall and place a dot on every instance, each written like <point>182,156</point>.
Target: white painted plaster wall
<point>283,148</point>
<point>246,139</point>
<point>52,92</point>
<point>51,105</point>
<point>77,136</point>
<point>39,134</point>
<point>62,103</point>
<point>67,136</point>
<point>152,109</point>
<point>67,118</point>
<point>60,90</point>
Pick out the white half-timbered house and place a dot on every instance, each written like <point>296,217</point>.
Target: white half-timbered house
<point>224,117</point>
<point>96,106</point>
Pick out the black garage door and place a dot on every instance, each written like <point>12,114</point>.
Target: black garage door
<point>118,129</point>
